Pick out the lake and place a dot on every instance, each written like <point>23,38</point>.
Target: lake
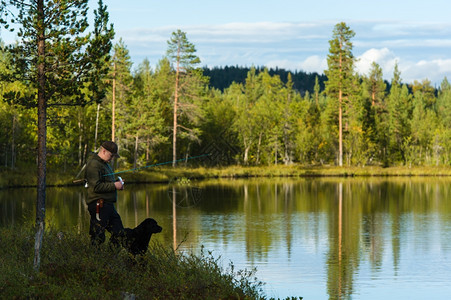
<point>319,238</point>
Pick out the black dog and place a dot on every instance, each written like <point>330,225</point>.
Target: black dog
<point>137,239</point>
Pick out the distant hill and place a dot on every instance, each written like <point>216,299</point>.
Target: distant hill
<point>222,77</point>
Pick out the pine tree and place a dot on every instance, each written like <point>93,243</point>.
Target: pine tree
<point>99,48</point>
<point>219,140</point>
<point>378,116</point>
<point>289,121</point>
<point>269,110</point>
<point>423,123</point>
<point>316,91</point>
<point>145,113</point>
<point>57,62</point>
<point>340,74</point>
<point>121,80</point>
<point>181,52</point>
<point>398,102</point>
<point>444,115</point>
<point>13,120</point>
<point>245,123</point>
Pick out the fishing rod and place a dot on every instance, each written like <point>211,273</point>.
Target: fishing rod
<point>158,164</point>
<point>144,167</point>
<point>79,173</point>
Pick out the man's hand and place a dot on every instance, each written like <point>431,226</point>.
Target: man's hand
<point>119,184</point>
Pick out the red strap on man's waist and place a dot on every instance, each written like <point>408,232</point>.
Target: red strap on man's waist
<point>99,205</point>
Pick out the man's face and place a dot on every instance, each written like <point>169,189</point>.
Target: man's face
<point>106,155</point>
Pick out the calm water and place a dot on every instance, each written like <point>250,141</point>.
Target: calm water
<point>317,238</point>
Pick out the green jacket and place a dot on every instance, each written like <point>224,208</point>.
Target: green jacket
<point>100,185</point>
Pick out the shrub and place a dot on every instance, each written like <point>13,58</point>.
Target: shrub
<point>72,268</point>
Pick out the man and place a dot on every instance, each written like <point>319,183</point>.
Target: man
<point>102,195</point>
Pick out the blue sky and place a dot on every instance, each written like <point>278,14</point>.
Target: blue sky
<point>292,34</point>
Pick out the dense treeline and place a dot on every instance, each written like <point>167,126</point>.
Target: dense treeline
<point>222,77</point>
<point>269,117</point>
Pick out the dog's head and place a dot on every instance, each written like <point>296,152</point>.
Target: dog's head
<point>151,226</point>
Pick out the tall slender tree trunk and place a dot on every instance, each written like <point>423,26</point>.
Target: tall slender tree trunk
<point>85,152</point>
<point>176,97</point>
<point>373,97</point>
<point>13,143</point>
<point>317,98</point>
<point>340,224</point>
<point>42,137</point>
<point>340,115</point>
<point>246,153</point>
<point>97,126</point>
<point>147,150</point>
<point>174,219</point>
<point>113,109</point>
<point>260,135</point>
<point>80,140</point>
<point>187,154</point>
<point>286,126</point>
<point>5,153</point>
<point>135,157</point>
<point>340,129</point>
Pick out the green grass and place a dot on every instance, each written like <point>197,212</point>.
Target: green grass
<point>164,174</point>
<point>72,268</point>
<point>20,178</point>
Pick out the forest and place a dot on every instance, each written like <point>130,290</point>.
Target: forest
<point>65,88</point>
<point>232,115</point>
<point>222,77</point>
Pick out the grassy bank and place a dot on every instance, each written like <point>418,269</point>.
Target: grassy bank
<point>19,178</point>
<point>167,174</point>
<point>287,171</point>
<point>72,269</point>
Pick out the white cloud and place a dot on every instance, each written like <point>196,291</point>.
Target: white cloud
<point>310,65</point>
<point>433,70</point>
<point>412,43</point>
<point>421,50</point>
<point>260,32</point>
<point>314,64</point>
<point>414,29</point>
<point>385,58</point>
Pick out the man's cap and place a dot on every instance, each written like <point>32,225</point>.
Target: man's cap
<point>111,146</point>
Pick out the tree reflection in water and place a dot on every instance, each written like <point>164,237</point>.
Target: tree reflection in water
<point>318,238</point>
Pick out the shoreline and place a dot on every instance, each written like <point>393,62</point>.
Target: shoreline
<point>23,179</point>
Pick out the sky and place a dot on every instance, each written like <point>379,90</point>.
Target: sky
<point>292,34</point>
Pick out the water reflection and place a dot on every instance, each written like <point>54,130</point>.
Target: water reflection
<point>337,238</point>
